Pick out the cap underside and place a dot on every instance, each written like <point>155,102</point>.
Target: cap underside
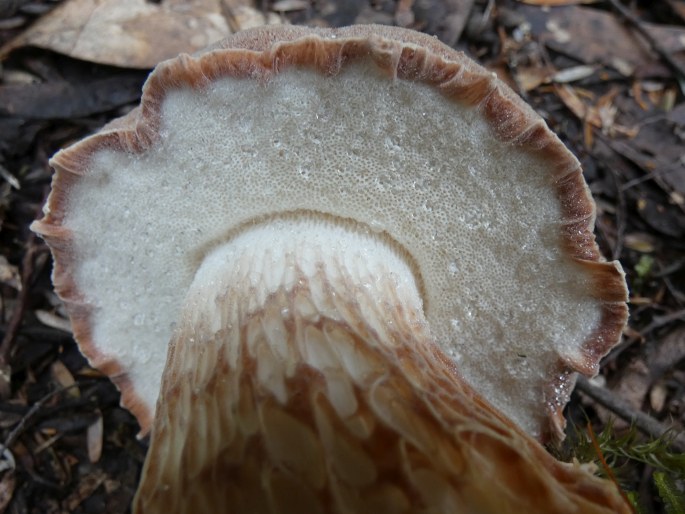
<point>420,146</point>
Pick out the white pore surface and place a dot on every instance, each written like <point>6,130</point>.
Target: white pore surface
<point>479,218</point>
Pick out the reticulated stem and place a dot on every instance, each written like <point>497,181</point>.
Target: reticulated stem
<point>302,378</point>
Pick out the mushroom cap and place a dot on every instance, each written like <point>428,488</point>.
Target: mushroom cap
<point>303,378</point>
<point>380,126</point>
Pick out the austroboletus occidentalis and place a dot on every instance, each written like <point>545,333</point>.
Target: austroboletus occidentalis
<point>341,271</point>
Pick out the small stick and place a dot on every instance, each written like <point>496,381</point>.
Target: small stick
<point>642,421</point>
<point>27,275</point>
<point>21,426</point>
<point>665,55</point>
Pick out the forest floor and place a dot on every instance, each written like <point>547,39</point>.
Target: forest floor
<point>607,76</point>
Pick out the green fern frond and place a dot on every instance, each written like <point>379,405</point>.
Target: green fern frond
<point>621,452</point>
<point>673,498</point>
<point>618,449</point>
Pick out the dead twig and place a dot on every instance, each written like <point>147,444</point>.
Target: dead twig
<point>27,274</point>
<point>644,422</point>
<point>21,426</point>
<point>638,25</point>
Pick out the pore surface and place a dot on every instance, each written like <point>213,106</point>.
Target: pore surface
<point>480,218</point>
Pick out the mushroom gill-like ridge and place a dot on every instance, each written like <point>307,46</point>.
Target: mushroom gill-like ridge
<point>366,122</point>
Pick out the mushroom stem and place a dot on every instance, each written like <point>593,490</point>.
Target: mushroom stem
<point>302,377</point>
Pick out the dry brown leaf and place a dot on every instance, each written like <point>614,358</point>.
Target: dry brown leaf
<point>601,114</point>
<point>530,77</point>
<point>589,35</point>
<point>668,351</point>
<point>241,17</point>
<point>128,33</point>
<point>632,386</point>
<point>404,16</point>
<point>7,486</point>
<point>580,109</point>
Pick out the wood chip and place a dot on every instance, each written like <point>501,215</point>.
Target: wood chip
<point>657,397</point>
<point>574,74</point>
<point>289,5</point>
<point>94,438</point>
<point>53,321</point>
<point>64,378</point>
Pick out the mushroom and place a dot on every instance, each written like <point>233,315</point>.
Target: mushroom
<point>337,270</point>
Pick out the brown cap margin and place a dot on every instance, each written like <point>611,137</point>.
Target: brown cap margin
<point>261,53</point>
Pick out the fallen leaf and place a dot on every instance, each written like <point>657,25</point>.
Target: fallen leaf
<point>127,33</point>
<point>630,385</point>
<point>64,99</point>
<point>658,150</point>
<point>667,353</point>
<point>446,19</point>
<point>580,109</point>
<point>573,74</point>
<point>600,114</point>
<point>640,242</point>
<point>87,486</point>
<point>241,17</point>
<point>52,320</point>
<point>7,486</point>
<point>591,36</point>
<point>657,397</point>
<point>64,378</point>
<point>94,439</point>
<point>290,5</point>
<point>9,274</point>
<point>661,220</point>
<point>530,77</point>
<point>404,16</point>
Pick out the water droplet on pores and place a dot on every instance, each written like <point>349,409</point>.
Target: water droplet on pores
<point>139,319</point>
<point>453,268</point>
<point>304,172</point>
